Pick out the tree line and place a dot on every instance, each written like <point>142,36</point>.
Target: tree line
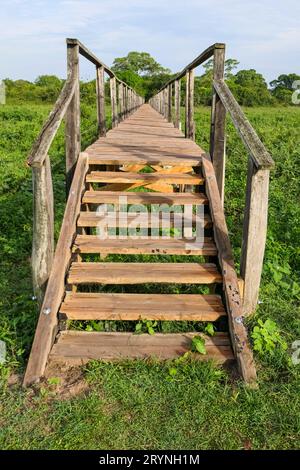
<point>143,73</point>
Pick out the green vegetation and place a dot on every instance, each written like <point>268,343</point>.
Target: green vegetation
<point>143,73</point>
<point>181,404</point>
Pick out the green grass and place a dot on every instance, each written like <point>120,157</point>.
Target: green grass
<point>137,404</point>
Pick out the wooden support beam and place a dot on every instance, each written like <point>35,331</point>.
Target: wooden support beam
<point>43,228</point>
<point>121,102</point>
<point>72,117</point>
<point>218,122</point>
<point>177,104</point>
<point>166,101</point>
<point>189,105</point>
<point>100,90</point>
<point>170,89</point>
<point>113,100</point>
<point>254,234</point>
<point>48,320</point>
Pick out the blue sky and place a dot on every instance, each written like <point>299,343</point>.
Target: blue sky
<point>264,34</point>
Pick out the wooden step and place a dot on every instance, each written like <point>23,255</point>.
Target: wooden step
<point>141,273</point>
<point>144,220</point>
<point>143,178</point>
<point>100,158</point>
<point>113,197</point>
<point>168,307</point>
<point>79,347</point>
<point>172,246</point>
<point>171,307</point>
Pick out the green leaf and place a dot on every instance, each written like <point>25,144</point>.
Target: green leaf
<point>172,371</point>
<point>198,344</point>
<point>209,329</point>
<point>151,330</point>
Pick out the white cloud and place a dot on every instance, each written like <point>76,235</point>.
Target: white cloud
<point>261,34</point>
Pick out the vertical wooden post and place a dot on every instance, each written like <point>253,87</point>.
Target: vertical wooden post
<point>177,104</point>
<point>170,102</point>
<point>166,102</point>
<point>191,124</point>
<point>254,234</point>
<point>126,101</point>
<point>72,117</point>
<point>121,101</point>
<point>187,94</point>
<point>100,89</point>
<point>43,228</point>
<point>218,121</point>
<point>113,100</point>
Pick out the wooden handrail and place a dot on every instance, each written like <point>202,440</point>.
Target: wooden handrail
<point>257,150</point>
<point>42,144</point>
<point>68,106</point>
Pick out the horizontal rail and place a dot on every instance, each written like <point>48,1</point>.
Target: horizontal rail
<point>85,52</point>
<point>256,148</point>
<point>42,144</point>
<point>200,59</point>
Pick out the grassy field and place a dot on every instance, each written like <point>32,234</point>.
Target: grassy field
<point>138,404</point>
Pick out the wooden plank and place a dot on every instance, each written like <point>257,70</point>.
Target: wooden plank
<point>190,108</point>
<point>177,104</point>
<point>254,234</point>
<point>254,145</point>
<point>72,118</point>
<point>130,307</point>
<point>43,228</point>
<point>92,219</point>
<point>113,101</point>
<point>100,90</point>
<point>237,328</point>
<point>218,122</point>
<point>143,178</point>
<point>121,102</point>
<point>93,244</point>
<point>99,197</point>
<point>78,347</point>
<point>142,273</point>
<point>47,323</point>
<point>170,103</point>
<point>102,159</point>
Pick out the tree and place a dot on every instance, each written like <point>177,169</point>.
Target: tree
<point>140,63</point>
<point>229,66</point>
<point>283,87</point>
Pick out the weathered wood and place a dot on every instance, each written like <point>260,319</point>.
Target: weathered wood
<point>47,324</point>
<point>166,307</point>
<point>254,145</point>
<point>72,118</point>
<point>237,328</point>
<point>177,104</point>
<point>100,90</point>
<point>187,94</point>
<point>142,273</point>
<point>113,100</point>
<point>166,102</point>
<point>170,91</point>
<point>43,228</point>
<point>254,234</point>
<point>143,178</point>
<point>42,144</point>
<point>92,219</point>
<point>218,121</point>
<point>99,197</point>
<point>121,102</point>
<point>78,347</point>
<point>172,246</point>
<point>190,110</point>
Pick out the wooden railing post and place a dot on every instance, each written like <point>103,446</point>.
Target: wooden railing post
<point>218,118</point>
<point>113,100</point>
<point>72,117</point>
<point>121,101</point>
<point>170,90</point>
<point>43,228</point>
<point>189,105</point>
<point>166,101</point>
<point>177,104</point>
<point>254,234</point>
<point>100,89</point>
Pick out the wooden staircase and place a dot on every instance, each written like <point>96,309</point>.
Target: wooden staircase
<point>99,274</point>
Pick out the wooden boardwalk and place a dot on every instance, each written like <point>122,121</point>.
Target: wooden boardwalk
<point>101,270</point>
